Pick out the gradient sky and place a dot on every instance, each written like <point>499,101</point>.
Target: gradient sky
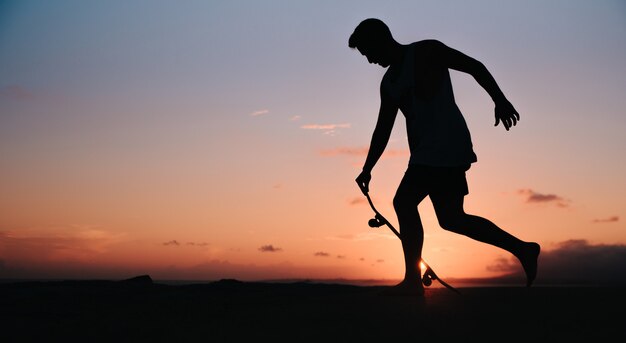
<point>221,139</point>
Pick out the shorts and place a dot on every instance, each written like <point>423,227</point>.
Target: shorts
<point>435,180</point>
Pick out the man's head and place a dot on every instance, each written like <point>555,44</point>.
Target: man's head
<point>373,39</point>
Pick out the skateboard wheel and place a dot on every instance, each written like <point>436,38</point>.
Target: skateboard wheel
<point>427,281</point>
<point>374,223</point>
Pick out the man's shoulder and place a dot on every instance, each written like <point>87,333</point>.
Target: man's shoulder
<point>428,44</point>
<point>429,51</point>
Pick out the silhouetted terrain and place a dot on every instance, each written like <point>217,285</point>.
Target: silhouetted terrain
<point>231,310</point>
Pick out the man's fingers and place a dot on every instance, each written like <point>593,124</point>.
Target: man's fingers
<point>362,186</point>
<point>508,117</point>
<point>507,123</point>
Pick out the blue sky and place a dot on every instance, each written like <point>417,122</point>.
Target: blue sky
<point>109,107</point>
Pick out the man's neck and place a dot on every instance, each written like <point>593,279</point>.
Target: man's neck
<point>397,52</point>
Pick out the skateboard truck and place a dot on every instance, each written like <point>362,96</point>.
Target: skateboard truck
<point>379,220</point>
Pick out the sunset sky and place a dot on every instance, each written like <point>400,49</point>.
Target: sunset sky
<point>203,140</point>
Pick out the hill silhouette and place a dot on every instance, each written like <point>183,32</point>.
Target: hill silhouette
<point>141,309</point>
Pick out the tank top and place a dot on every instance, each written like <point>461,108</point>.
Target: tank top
<point>437,132</point>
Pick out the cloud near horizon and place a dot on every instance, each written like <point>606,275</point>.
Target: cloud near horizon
<point>175,242</point>
<point>198,244</point>
<point>612,219</point>
<point>77,242</point>
<point>574,261</point>
<point>269,248</point>
<point>536,197</point>
<point>357,201</point>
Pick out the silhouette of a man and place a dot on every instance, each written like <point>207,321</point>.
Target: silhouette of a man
<point>417,82</point>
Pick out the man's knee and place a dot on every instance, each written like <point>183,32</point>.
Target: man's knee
<point>450,213</point>
<point>451,222</point>
<point>402,203</point>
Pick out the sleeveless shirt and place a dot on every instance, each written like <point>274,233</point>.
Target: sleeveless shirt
<point>437,132</point>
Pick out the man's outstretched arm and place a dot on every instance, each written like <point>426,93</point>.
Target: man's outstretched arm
<point>453,59</point>
<point>380,138</point>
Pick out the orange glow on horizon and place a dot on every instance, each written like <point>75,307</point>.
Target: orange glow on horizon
<point>214,144</point>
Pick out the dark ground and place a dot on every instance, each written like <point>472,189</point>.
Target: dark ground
<point>234,311</point>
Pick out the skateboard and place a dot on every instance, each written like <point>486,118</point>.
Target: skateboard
<point>379,220</point>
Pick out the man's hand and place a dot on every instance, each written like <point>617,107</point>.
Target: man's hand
<point>506,113</point>
<point>363,180</point>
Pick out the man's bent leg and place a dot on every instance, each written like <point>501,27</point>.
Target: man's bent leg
<point>452,217</point>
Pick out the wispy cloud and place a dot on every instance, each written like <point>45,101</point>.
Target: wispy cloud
<point>16,92</point>
<point>328,129</point>
<point>344,151</point>
<point>321,254</point>
<point>536,197</point>
<point>269,248</point>
<point>503,265</point>
<point>325,126</point>
<point>574,261</point>
<point>361,151</point>
<point>75,242</point>
<point>295,118</point>
<point>176,243</point>
<point>198,244</point>
<point>612,219</point>
<point>259,113</point>
<point>357,201</point>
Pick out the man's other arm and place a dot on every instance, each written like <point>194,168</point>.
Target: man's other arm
<point>457,60</point>
<point>380,137</point>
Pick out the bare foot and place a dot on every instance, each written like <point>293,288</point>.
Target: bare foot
<point>528,258</point>
<point>405,288</point>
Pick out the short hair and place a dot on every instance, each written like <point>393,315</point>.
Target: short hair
<point>369,32</point>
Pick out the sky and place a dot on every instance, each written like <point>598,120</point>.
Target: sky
<point>202,140</point>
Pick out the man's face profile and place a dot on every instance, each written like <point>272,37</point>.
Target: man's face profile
<point>375,54</point>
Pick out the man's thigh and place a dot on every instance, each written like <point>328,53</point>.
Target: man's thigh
<point>412,189</point>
